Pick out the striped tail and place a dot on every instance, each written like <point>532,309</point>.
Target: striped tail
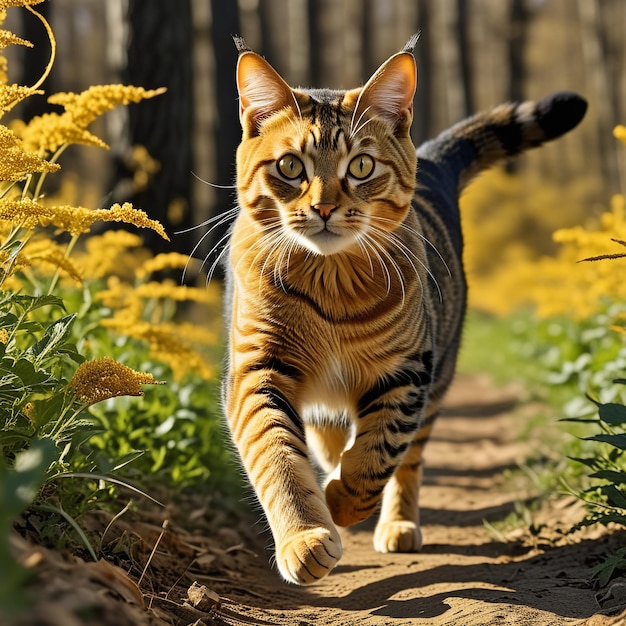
<point>481,140</point>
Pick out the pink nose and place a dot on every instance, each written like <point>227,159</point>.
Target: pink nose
<point>324,209</point>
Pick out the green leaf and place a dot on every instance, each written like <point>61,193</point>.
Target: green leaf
<point>27,373</point>
<point>22,482</point>
<point>614,496</point>
<point>55,336</point>
<point>618,440</point>
<point>37,302</point>
<point>612,475</point>
<point>613,413</point>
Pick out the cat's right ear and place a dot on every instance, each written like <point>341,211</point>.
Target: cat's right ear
<point>262,91</point>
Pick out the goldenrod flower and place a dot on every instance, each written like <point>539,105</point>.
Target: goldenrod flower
<point>6,4</point>
<point>10,95</point>
<point>49,252</point>
<point>4,335</point>
<point>167,289</point>
<point>74,220</point>
<point>50,131</point>
<point>105,378</point>
<point>164,261</point>
<point>114,252</point>
<point>16,163</point>
<point>7,38</point>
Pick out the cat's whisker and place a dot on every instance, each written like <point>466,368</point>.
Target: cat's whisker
<point>383,250</point>
<point>219,221</point>
<point>231,213</point>
<point>206,182</point>
<point>417,234</point>
<point>358,236</point>
<point>373,247</point>
<point>394,240</point>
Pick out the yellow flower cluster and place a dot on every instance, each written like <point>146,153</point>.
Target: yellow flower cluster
<point>101,379</point>
<point>141,308</point>
<point>177,344</point>
<point>74,220</point>
<point>557,281</point>
<point>47,133</point>
<point>16,163</point>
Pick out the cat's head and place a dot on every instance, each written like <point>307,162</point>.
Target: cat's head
<point>327,170</point>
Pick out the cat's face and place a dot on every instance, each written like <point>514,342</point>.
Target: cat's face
<point>326,170</point>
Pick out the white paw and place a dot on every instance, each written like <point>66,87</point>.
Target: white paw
<point>309,555</point>
<point>399,536</point>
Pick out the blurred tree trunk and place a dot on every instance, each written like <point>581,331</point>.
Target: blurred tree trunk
<point>596,62</point>
<point>517,37</point>
<point>422,117</point>
<point>159,55</point>
<point>35,61</point>
<point>518,31</point>
<point>462,30</point>
<point>227,131</point>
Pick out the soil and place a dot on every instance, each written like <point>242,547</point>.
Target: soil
<point>175,569</point>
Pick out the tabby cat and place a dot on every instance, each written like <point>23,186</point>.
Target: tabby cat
<point>346,296</point>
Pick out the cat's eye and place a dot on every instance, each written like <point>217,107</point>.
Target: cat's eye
<point>361,166</point>
<point>290,166</point>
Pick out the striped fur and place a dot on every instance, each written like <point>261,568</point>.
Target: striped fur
<point>346,296</point>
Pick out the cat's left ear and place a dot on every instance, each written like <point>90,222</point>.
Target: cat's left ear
<point>262,91</point>
<point>389,93</point>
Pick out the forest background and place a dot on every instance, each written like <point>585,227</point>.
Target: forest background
<point>472,54</point>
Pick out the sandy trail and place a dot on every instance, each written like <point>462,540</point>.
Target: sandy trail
<point>463,576</point>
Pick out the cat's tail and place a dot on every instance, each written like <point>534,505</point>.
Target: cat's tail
<point>481,140</point>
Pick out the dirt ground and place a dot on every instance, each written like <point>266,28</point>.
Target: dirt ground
<point>465,575</point>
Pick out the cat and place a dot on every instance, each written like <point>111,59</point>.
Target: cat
<point>345,295</point>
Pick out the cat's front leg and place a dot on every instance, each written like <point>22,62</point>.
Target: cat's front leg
<point>269,435</point>
<point>388,418</point>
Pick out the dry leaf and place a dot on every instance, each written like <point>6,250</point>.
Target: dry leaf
<point>202,598</point>
<point>116,579</point>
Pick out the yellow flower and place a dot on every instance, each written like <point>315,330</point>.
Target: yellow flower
<point>10,95</point>
<point>6,4</point>
<point>114,252</point>
<point>50,131</point>
<point>74,220</point>
<point>4,335</point>
<point>160,262</point>
<point>105,378</point>
<point>7,38</point>
<point>49,252</point>
<point>15,162</point>
<point>619,132</point>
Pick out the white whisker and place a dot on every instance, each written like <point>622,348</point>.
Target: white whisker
<point>206,182</point>
<point>419,235</point>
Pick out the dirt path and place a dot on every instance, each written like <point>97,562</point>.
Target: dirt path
<point>462,577</point>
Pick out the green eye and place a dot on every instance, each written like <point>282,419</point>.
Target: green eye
<point>361,166</point>
<point>290,166</point>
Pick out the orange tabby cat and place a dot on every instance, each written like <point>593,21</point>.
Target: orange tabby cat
<point>346,296</point>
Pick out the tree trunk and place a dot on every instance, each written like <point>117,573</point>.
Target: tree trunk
<point>159,55</point>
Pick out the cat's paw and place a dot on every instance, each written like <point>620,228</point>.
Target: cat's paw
<point>345,508</point>
<point>308,556</point>
<point>397,536</point>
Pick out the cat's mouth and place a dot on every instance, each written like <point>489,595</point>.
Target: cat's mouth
<point>325,241</point>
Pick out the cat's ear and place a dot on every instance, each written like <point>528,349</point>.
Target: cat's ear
<point>389,93</point>
<point>262,91</point>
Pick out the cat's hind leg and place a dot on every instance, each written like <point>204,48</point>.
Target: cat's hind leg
<point>398,527</point>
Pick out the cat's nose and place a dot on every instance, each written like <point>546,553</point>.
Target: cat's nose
<point>324,209</point>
